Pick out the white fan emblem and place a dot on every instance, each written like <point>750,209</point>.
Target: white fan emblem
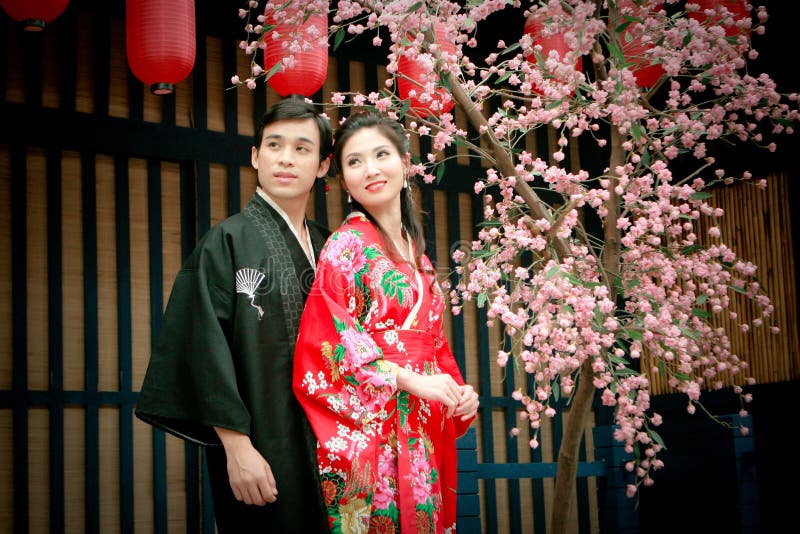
<point>247,281</point>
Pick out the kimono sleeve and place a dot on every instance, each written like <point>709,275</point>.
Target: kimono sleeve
<point>339,370</point>
<point>447,363</point>
<point>191,384</point>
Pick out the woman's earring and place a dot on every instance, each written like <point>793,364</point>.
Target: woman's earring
<point>349,200</point>
<point>405,183</point>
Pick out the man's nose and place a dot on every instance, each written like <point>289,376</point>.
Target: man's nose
<point>286,156</point>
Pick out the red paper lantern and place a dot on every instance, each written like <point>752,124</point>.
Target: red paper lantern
<point>738,8</point>
<point>534,27</point>
<point>411,74</point>
<point>308,74</point>
<point>646,73</point>
<point>160,42</point>
<point>34,14</point>
<point>634,50</point>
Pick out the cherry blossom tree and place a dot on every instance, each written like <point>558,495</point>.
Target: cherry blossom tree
<point>589,312</point>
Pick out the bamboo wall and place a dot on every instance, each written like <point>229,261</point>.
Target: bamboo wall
<point>757,227</point>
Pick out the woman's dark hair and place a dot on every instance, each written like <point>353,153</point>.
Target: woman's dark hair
<point>409,213</point>
<point>296,107</point>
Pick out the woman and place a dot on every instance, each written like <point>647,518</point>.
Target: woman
<point>373,369</point>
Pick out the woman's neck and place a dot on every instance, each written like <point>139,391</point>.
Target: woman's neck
<point>391,222</point>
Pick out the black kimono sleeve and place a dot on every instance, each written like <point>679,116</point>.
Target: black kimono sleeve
<point>191,382</point>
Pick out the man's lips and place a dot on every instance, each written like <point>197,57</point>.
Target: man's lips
<point>284,176</point>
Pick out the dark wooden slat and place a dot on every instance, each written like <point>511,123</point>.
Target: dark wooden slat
<point>91,333</point>
<point>55,339</point>
<point>457,321</point>
<point>485,411</point>
<point>537,470</point>
<point>124,342</point>
<point>67,57</point>
<point>19,318</point>
<point>156,265</point>
<point>102,61</point>
<point>112,135</point>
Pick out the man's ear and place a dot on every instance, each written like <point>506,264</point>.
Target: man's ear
<point>254,157</point>
<point>323,167</point>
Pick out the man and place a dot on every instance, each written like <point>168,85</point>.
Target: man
<point>221,371</point>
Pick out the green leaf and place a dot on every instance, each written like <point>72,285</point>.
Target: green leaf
<point>690,249</point>
<point>616,52</point>
<point>703,314</point>
<point>700,195</point>
<point>275,68</point>
<point>635,335</point>
<point>404,108</point>
<point>739,289</point>
<point>622,27</point>
<point>393,283</point>
<point>552,272</point>
<point>511,48</point>
<point>481,300</point>
<point>656,437</point>
<point>414,7</point>
<point>440,172</point>
<point>702,299</point>
<point>636,131</point>
<point>371,253</point>
<point>687,332</point>
<point>646,158</point>
<point>403,407</point>
<point>340,325</point>
<point>504,77</point>
<point>339,352</point>
<point>339,38</point>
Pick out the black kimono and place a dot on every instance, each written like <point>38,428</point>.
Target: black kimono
<point>224,356</point>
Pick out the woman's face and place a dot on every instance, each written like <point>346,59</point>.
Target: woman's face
<point>373,170</point>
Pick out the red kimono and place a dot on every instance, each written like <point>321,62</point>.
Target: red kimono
<point>387,458</point>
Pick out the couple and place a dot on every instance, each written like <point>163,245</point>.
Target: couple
<point>371,443</point>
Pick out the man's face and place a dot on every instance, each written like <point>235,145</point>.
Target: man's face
<point>288,159</point>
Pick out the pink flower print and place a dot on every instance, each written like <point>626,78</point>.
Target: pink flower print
<point>420,473</point>
<point>384,494</point>
<point>359,347</point>
<point>345,253</point>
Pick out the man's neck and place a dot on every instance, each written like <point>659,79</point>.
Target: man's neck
<point>295,210</point>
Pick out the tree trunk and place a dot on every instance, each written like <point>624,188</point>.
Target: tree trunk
<point>566,475</point>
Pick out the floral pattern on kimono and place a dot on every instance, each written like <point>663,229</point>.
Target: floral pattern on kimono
<point>387,458</point>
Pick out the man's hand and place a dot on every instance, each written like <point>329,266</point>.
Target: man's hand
<point>249,473</point>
